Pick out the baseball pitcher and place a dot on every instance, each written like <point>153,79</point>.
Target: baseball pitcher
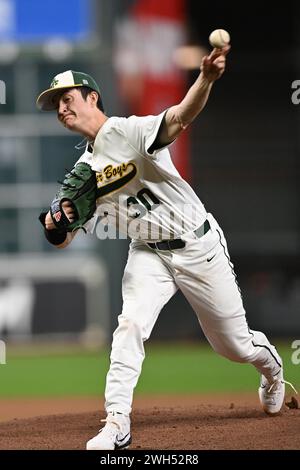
<point>126,179</point>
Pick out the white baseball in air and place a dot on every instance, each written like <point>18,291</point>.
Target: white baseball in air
<point>219,38</point>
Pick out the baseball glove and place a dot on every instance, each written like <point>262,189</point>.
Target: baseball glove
<point>79,187</point>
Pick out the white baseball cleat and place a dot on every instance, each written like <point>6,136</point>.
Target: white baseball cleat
<point>271,395</point>
<point>114,435</point>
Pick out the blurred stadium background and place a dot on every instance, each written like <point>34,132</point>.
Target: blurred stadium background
<point>241,156</point>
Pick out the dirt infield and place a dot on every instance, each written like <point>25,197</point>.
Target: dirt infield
<point>197,422</point>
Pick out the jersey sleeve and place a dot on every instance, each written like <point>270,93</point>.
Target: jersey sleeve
<point>142,132</point>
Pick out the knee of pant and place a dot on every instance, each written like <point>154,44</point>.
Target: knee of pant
<point>129,328</point>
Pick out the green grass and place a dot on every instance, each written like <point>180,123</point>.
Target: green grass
<point>54,375</point>
<point>197,369</point>
<point>168,368</point>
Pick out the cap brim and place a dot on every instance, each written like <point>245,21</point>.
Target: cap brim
<point>48,100</point>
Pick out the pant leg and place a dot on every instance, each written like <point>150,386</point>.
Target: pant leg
<point>212,290</point>
<point>147,286</point>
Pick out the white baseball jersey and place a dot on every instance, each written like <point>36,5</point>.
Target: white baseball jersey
<point>141,193</point>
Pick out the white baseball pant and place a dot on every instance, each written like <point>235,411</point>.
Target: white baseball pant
<point>203,272</point>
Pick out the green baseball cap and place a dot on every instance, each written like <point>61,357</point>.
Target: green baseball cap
<point>48,99</point>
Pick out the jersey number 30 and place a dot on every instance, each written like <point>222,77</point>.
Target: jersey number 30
<point>144,201</point>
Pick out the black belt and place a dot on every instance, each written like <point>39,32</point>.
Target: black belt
<point>178,243</point>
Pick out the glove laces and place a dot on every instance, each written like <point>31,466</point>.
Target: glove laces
<point>75,175</point>
<point>82,144</point>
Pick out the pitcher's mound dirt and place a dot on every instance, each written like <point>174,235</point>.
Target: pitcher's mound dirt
<point>166,423</point>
